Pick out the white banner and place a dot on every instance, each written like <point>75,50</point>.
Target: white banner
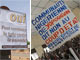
<point>13,34</point>
<point>56,25</point>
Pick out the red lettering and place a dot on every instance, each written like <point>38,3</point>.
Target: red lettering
<point>70,23</point>
<point>57,18</point>
<point>61,30</point>
<point>50,39</point>
<point>48,25</point>
<point>75,20</point>
<point>66,26</point>
<point>56,34</point>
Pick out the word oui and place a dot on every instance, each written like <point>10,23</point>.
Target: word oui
<point>17,18</point>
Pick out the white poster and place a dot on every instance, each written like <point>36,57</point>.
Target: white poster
<point>56,25</point>
<point>13,34</point>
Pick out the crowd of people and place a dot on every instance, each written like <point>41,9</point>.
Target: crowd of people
<point>56,55</point>
<point>63,53</point>
<point>76,43</point>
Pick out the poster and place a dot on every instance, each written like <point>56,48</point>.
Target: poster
<point>56,25</point>
<point>13,34</point>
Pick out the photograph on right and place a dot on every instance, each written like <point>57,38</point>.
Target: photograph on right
<point>55,29</point>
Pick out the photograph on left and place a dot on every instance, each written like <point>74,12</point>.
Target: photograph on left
<point>14,29</point>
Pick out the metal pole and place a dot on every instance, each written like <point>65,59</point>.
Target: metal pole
<point>72,50</point>
<point>73,53</point>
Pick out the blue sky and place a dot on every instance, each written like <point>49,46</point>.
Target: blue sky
<point>20,6</point>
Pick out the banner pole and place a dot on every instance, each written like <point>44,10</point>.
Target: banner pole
<point>72,50</point>
<point>74,54</point>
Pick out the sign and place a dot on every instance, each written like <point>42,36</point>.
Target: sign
<point>56,25</point>
<point>13,34</point>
